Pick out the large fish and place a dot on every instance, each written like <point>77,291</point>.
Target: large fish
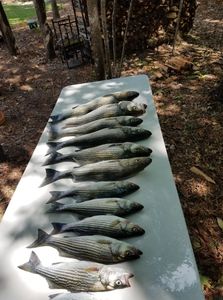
<point>55,132</point>
<point>79,276</point>
<point>102,136</point>
<point>100,171</point>
<point>91,190</point>
<point>101,206</point>
<point>112,226</point>
<point>96,248</point>
<point>83,109</point>
<point>98,153</point>
<point>123,108</point>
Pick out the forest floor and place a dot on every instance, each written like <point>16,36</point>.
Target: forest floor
<point>190,108</point>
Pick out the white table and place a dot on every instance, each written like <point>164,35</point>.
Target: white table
<point>167,269</point>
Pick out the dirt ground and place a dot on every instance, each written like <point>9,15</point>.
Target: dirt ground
<point>190,108</point>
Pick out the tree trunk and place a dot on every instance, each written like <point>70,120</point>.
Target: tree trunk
<point>46,31</point>
<point>55,9</point>
<point>106,40</point>
<point>96,39</point>
<point>40,12</point>
<point>7,32</point>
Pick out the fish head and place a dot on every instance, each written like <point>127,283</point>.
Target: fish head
<point>133,121</point>
<point>136,109</point>
<point>128,252</point>
<point>134,229</point>
<point>128,186</point>
<point>135,206</point>
<point>114,278</point>
<point>140,150</point>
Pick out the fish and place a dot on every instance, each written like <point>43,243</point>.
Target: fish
<point>101,152</point>
<point>95,248</point>
<point>101,206</point>
<point>102,136</point>
<point>79,276</point>
<point>55,132</point>
<point>90,190</point>
<point>107,225</point>
<point>123,108</point>
<point>83,109</point>
<point>105,170</point>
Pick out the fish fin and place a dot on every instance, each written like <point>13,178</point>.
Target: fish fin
<point>57,227</point>
<point>51,176</point>
<point>55,207</point>
<point>52,158</point>
<point>113,145</point>
<point>75,106</point>
<point>54,295</point>
<point>41,239</point>
<point>115,222</point>
<point>53,146</point>
<point>55,195</point>
<point>52,285</point>
<point>31,265</point>
<point>64,254</point>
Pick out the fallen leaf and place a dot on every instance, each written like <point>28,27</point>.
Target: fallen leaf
<point>220,223</point>
<point>198,172</point>
<point>205,281</point>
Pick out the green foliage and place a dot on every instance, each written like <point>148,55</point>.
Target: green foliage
<point>20,13</point>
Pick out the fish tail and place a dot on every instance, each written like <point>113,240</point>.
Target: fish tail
<point>53,158</point>
<point>55,195</point>
<point>55,207</point>
<point>51,176</point>
<point>53,296</point>
<point>53,146</point>
<point>56,118</point>
<point>52,132</point>
<point>57,228</point>
<point>32,264</point>
<point>41,239</point>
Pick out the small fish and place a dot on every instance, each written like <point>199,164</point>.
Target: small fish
<point>103,206</point>
<point>100,171</point>
<point>91,190</point>
<point>98,153</point>
<point>123,108</point>
<point>107,225</point>
<point>79,276</point>
<point>83,109</point>
<point>102,136</point>
<point>55,132</point>
<point>95,248</point>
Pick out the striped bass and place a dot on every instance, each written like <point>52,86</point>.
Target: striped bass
<point>123,108</point>
<point>95,248</point>
<point>90,190</point>
<point>103,206</point>
<point>102,136</point>
<point>100,171</point>
<point>107,225</point>
<point>55,131</point>
<point>98,153</point>
<point>79,276</point>
<point>83,109</point>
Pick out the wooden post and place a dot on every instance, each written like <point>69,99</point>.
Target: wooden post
<point>6,30</point>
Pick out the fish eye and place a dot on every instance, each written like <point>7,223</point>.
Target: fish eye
<point>118,282</point>
<point>135,228</point>
<point>128,253</point>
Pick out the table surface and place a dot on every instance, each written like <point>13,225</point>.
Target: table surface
<point>166,270</point>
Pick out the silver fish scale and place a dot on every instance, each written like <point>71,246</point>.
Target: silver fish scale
<point>102,225</point>
<point>72,280</point>
<point>99,206</point>
<point>85,248</point>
